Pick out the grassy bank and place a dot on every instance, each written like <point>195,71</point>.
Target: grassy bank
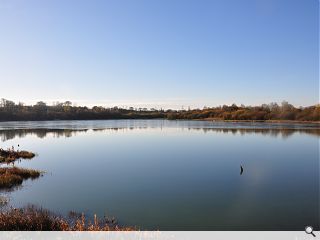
<point>8,156</point>
<point>13,176</point>
<point>32,218</point>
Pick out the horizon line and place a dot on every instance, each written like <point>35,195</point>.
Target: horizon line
<point>158,105</point>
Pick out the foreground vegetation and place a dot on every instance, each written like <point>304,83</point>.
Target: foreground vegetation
<point>13,176</point>
<point>10,155</point>
<point>10,111</point>
<point>32,218</point>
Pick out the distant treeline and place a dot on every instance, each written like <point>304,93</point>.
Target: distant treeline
<point>10,111</point>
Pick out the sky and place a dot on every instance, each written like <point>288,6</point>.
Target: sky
<point>160,53</point>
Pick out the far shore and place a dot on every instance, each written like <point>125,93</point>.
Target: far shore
<point>257,121</point>
<point>180,119</point>
<point>273,112</point>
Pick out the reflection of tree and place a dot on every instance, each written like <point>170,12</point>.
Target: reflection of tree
<point>43,133</point>
<point>8,134</point>
<point>283,132</point>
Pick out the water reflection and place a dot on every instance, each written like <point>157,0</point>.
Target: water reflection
<point>174,175</point>
<point>267,132</point>
<point>6,135</point>
<point>9,134</point>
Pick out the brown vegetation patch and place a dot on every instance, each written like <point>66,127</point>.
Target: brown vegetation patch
<point>3,201</point>
<point>10,177</point>
<point>8,156</point>
<point>36,219</point>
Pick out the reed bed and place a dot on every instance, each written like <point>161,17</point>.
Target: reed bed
<point>10,155</point>
<point>31,218</point>
<point>13,176</point>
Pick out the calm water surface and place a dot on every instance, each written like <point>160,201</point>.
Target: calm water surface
<point>173,175</point>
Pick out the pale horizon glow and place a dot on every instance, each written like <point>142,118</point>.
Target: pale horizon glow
<point>160,54</point>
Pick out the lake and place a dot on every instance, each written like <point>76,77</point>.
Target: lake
<point>173,175</point>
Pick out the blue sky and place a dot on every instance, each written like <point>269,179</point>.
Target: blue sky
<point>160,53</point>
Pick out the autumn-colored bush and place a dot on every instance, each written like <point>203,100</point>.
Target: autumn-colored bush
<point>265,112</point>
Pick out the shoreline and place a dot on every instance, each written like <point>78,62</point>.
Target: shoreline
<point>258,121</point>
<point>179,119</point>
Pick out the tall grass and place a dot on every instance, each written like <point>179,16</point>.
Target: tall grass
<point>31,218</point>
<point>13,176</point>
<point>10,155</point>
